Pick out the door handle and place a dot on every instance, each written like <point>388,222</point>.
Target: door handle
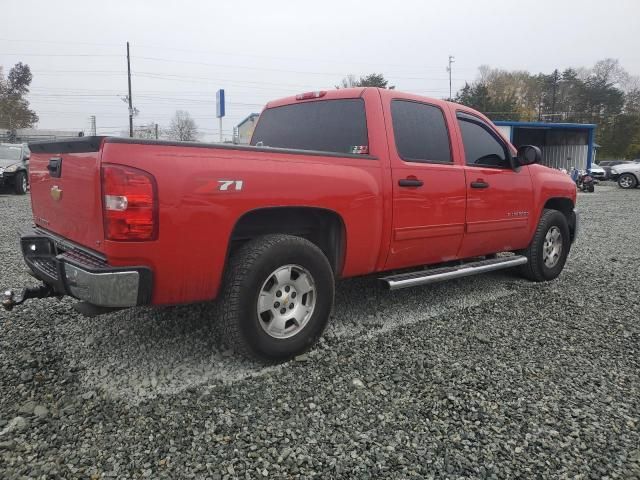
<point>55,167</point>
<point>410,182</point>
<point>479,184</point>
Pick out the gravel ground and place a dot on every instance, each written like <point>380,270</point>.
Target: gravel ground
<point>485,377</point>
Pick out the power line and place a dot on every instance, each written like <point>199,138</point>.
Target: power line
<point>60,55</point>
<point>145,96</point>
<point>267,69</point>
<point>315,59</point>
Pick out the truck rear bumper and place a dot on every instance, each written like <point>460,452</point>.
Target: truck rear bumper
<point>72,270</point>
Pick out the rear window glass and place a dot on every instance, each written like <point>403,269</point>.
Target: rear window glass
<point>420,131</point>
<point>328,126</point>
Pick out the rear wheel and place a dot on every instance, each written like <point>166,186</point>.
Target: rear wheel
<point>277,297</point>
<point>627,180</point>
<point>21,183</point>
<point>547,252</point>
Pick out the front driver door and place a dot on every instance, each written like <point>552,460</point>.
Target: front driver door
<point>499,198</point>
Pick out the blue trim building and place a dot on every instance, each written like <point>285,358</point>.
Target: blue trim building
<point>563,145</point>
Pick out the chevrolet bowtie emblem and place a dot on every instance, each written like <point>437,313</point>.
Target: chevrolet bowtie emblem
<point>56,193</point>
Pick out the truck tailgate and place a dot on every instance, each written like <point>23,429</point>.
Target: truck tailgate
<point>65,189</point>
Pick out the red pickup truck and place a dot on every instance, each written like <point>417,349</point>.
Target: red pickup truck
<point>335,184</point>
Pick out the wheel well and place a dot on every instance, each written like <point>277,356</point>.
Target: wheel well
<point>633,174</point>
<point>324,228</point>
<point>564,205</point>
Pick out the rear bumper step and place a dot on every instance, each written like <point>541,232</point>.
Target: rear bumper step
<point>425,277</point>
<point>80,274</point>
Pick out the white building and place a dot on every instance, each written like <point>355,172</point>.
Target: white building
<point>244,130</point>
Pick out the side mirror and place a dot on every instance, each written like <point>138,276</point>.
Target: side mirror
<point>529,154</point>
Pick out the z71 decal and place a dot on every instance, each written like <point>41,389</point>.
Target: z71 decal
<point>225,185</point>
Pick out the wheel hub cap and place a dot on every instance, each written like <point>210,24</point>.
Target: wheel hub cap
<point>286,301</point>
<point>552,248</point>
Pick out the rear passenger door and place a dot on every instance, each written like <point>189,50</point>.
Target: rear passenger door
<point>428,187</point>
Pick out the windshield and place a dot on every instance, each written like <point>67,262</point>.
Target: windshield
<point>8,152</point>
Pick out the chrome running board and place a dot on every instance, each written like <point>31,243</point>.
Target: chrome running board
<point>425,277</point>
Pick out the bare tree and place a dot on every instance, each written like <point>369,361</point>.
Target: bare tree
<point>182,127</point>
<point>348,82</point>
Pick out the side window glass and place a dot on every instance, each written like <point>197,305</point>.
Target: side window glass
<point>480,147</point>
<point>420,132</point>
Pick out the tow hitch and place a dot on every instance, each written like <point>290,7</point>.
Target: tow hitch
<point>9,299</point>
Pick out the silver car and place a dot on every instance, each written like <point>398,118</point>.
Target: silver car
<point>597,172</point>
<point>628,175</point>
<point>14,166</point>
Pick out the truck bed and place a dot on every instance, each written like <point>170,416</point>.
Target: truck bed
<point>194,203</point>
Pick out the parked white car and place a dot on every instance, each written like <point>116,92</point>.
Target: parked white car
<point>597,172</point>
<point>628,174</point>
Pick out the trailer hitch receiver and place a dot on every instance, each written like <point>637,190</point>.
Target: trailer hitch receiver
<point>10,300</point>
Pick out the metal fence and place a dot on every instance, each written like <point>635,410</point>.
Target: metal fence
<point>565,156</point>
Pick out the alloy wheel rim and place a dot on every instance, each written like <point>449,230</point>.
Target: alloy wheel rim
<point>552,247</point>
<point>625,182</point>
<point>286,301</point>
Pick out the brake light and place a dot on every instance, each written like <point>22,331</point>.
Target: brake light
<point>129,204</point>
<point>309,95</point>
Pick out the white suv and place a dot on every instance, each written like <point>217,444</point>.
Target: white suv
<point>628,174</point>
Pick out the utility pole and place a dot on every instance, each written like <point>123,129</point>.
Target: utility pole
<point>540,110</point>
<point>130,100</point>
<point>553,101</point>
<point>451,60</point>
<point>92,119</point>
<point>156,131</point>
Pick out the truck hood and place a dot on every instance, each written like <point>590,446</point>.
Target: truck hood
<point>630,167</point>
<point>4,163</point>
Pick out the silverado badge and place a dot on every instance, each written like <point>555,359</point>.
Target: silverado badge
<point>56,193</point>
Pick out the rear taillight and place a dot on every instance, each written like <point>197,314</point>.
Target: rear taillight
<point>129,204</point>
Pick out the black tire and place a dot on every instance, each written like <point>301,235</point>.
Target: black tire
<point>20,185</point>
<point>536,269</point>
<point>591,189</point>
<point>627,181</point>
<point>248,269</point>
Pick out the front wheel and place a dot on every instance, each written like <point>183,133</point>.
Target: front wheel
<point>547,252</point>
<point>277,297</point>
<point>627,180</point>
<point>21,183</point>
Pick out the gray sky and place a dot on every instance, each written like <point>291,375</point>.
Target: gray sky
<point>183,51</point>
